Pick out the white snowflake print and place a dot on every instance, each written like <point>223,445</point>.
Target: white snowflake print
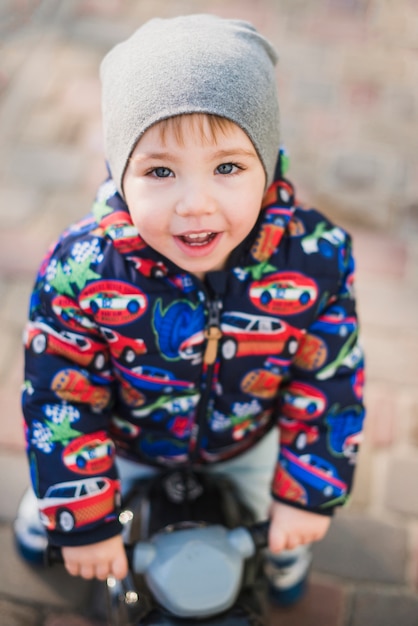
<point>242,409</point>
<point>240,273</point>
<point>58,413</point>
<point>41,438</point>
<point>51,270</point>
<point>90,250</point>
<point>219,421</point>
<point>106,191</point>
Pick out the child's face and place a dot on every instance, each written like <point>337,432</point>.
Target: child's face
<point>196,199</point>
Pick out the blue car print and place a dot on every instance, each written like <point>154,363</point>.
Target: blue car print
<point>311,470</point>
<point>335,322</point>
<point>152,378</point>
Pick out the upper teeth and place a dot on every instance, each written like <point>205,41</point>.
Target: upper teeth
<point>198,235</point>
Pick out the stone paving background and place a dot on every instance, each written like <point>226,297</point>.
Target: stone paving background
<point>348,78</point>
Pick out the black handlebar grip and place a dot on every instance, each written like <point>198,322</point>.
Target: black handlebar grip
<point>259,533</point>
<point>53,555</point>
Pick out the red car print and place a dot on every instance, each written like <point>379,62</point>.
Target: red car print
<point>261,383</point>
<point>280,192</point>
<point>149,268</point>
<point>299,433</point>
<point>303,402</point>
<point>118,227</point>
<point>40,338</point>
<point>284,293</point>
<point>89,454</point>
<point>271,233</point>
<point>245,334</point>
<point>71,385</point>
<point>113,302</point>
<point>69,313</point>
<point>78,503</point>
<point>192,348</point>
<point>122,348</point>
<point>312,353</point>
<point>285,486</point>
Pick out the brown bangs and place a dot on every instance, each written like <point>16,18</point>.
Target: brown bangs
<point>206,126</point>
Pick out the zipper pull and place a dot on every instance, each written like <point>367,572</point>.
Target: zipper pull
<point>213,332</point>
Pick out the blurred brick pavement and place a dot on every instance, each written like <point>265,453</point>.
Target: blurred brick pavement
<point>347,79</point>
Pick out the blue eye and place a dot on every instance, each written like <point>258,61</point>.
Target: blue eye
<point>226,168</point>
<point>162,172</point>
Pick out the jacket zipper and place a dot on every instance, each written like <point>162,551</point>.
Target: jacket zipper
<point>213,335</point>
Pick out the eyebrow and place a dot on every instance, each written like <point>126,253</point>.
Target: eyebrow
<point>235,152</point>
<point>168,156</point>
<point>145,156</point>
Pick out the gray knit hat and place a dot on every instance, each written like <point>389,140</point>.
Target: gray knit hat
<point>191,64</point>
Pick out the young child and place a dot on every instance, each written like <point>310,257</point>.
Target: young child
<point>197,308</point>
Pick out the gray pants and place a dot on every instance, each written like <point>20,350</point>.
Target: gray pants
<point>251,473</point>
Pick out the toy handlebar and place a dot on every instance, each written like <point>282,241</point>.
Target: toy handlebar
<point>258,532</point>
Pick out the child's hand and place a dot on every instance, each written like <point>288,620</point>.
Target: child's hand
<point>97,560</point>
<point>291,527</point>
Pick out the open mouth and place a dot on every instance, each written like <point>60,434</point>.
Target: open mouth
<point>198,239</point>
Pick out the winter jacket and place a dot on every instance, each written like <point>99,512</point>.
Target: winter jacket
<point>125,351</point>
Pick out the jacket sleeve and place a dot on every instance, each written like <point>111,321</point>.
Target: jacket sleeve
<point>321,405</point>
<point>67,400</point>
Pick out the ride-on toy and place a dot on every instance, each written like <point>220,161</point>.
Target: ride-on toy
<point>194,556</point>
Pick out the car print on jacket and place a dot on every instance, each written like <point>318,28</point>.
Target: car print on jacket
<point>324,240</point>
<point>335,322</point>
<point>261,383</point>
<point>89,454</point>
<point>270,233</point>
<point>40,338</point>
<point>180,405</point>
<point>68,312</point>
<point>175,324</point>
<point>302,401</point>
<point>312,353</point>
<point>73,385</point>
<point>299,434</point>
<point>313,471</point>
<point>265,382</point>
<point>124,349</point>
<point>78,503</point>
<point>280,193</point>
<point>148,267</point>
<point>113,302</point>
<point>118,226</point>
<point>344,430</point>
<point>284,293</point>
<point>349,358</point>
<point>150,378</point>
<point>244,334</point>
<point>286,487</point>
<point>191,349</point>
<point>124,429</point>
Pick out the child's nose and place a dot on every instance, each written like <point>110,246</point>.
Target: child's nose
<point>195,200</point>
